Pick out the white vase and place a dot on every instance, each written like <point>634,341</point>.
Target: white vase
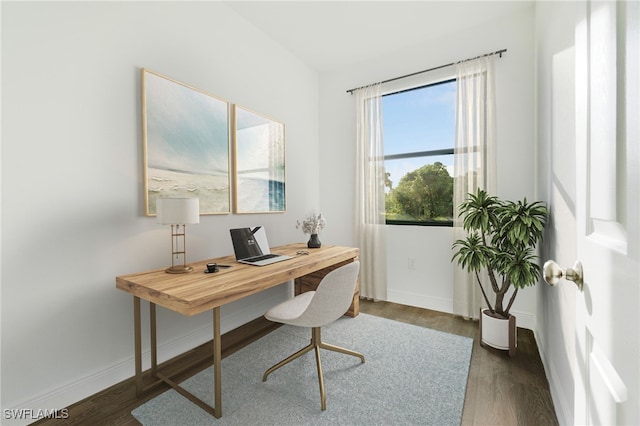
<point>497,332</point>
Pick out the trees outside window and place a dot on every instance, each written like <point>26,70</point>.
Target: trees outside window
<point>419,140</point>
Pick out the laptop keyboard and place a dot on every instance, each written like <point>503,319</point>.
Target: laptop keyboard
<point>259,258</point>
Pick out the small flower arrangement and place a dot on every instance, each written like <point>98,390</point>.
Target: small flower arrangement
<point>313,224</point>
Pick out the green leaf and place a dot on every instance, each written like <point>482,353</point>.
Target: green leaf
<point>502,237</point>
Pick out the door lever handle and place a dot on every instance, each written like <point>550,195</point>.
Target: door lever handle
<point>553,273</point>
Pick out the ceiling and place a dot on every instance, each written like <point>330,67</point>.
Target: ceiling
<point>329,35</point>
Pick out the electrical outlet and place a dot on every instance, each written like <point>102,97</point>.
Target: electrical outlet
<point>411,263</point>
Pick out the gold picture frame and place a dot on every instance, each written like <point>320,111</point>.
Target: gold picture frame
<point>259,163</point>
<point>186,144</point>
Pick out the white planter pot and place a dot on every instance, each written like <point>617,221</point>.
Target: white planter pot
<point>498,333</point>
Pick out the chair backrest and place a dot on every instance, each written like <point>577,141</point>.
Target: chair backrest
<point>332,297</point>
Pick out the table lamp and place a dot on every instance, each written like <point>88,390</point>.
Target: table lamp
<point>178,212</point>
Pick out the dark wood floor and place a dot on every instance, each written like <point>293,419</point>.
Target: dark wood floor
<point>500,390</point>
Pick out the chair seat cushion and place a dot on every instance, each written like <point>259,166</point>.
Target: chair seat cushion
<point>287,312</point>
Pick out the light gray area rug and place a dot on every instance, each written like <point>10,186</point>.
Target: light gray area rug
<point>412,375</point>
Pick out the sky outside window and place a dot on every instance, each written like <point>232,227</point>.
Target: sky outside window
<point>419,120</point>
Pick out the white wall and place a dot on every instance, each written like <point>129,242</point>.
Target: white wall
<point>72,192</point>
<point>429,285</point>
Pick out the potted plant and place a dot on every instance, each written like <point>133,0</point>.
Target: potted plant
<point>502,237</point>
<point>312,225</point>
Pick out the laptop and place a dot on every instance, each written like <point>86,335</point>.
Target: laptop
<point>251,247</point>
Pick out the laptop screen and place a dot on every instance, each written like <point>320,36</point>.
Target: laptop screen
<point>244,243</point>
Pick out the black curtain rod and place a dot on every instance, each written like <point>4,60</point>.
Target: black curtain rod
<point>497,52</point>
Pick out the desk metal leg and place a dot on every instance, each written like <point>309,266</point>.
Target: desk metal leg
<point>154,341</point>
<point>216,410</point>
<point>217,363</point>
<point>137,332</point>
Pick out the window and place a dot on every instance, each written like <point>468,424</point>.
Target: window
<point>419,128</point>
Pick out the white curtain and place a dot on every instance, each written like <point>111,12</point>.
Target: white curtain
<point>474,164</point>
<point>369,227</point>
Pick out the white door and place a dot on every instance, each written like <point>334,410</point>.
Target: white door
<point>607,369</point>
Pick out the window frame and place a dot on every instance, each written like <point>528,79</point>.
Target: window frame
<point>429,153</point>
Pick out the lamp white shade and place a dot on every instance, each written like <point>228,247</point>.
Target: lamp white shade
<point>177,211</point>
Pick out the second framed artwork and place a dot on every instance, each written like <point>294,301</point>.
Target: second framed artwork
<point>259,157</point>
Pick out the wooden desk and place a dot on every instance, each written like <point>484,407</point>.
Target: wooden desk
<point>197,292</point>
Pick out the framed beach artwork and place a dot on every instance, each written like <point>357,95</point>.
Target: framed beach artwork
<point>259,163</point>
<point>186,144</point>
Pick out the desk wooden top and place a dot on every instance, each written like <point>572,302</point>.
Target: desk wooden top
<point>196,292</point>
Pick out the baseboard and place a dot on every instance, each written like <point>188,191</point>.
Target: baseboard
<point>524,319</point>
<point>563,408</point>
<point>77,390</point>
<point>68,393</point>
<point>420,301</point>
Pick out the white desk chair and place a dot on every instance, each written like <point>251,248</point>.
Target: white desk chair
<point>315,309</point>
